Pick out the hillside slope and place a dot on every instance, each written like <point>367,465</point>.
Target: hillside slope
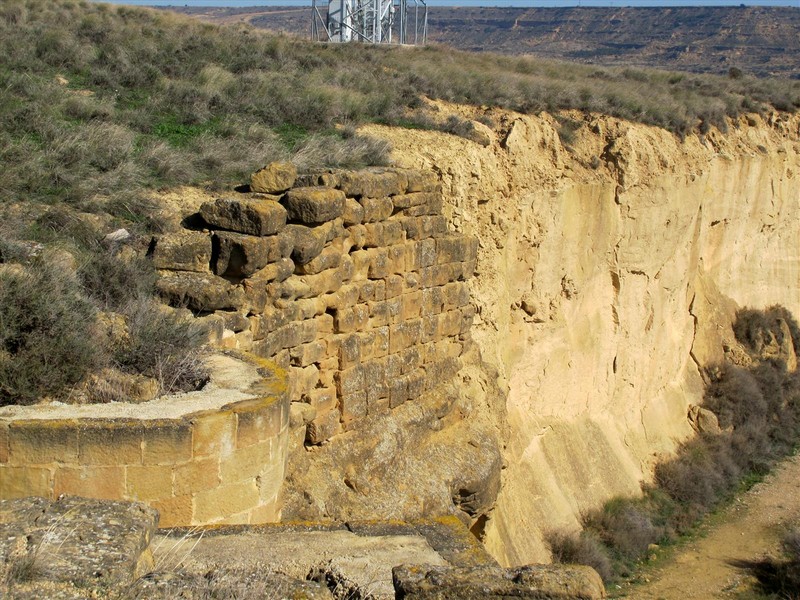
<point>759,40</point>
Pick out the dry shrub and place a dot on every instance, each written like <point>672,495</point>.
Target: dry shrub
<point>47,338</point>
<point>165,345</point>
<point>582,548</point>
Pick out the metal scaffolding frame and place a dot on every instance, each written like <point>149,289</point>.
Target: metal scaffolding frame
<point>370,21</point>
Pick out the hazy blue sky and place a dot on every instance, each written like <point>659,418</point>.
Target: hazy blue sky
<point>522,3</point>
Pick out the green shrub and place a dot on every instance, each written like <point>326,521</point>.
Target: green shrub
<point>47,338</point>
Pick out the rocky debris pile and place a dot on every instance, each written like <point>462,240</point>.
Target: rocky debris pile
<point>351,281</point>
<point>533,582</point>
<point>76,548</point>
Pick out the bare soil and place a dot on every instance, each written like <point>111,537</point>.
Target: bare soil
<point>748,530</point>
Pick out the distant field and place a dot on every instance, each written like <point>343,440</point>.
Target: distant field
<point>762,41</point>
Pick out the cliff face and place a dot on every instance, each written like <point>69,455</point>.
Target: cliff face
<point>608,274</point>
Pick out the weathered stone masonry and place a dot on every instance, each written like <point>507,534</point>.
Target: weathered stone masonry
<point>351,281</point>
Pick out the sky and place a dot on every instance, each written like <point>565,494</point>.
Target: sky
<point>516,3</point>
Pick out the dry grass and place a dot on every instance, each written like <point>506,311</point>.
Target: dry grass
<point>152,98</point>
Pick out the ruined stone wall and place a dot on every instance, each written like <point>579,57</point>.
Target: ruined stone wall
<point>352,281</point>
<point>218,464</point>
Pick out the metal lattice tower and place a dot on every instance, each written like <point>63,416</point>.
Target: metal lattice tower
<point>371,21</point>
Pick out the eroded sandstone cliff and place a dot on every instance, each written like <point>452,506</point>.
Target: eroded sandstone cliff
<point>608,273</point>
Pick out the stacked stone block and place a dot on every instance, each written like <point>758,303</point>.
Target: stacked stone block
<point>352,281</point>
<point>215,466</point>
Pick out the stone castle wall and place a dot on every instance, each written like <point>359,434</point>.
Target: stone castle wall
<point>351,281</point>
<point>218,464</point>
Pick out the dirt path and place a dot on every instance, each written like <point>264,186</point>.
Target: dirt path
<point>748,530</point>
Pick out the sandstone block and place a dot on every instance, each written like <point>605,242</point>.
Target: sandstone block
<point>375,182</point>
<point>302,380</point>
<point>357,235</point>
<point>110,444</point>
<point>405,334</point>
<point>353,406</point>
<point>366,340</point>
<point>385,312</point>
<point>106,483</point>
<point>404,362</point>
<point>432,207</point>
<point>213,434</point>
<point>324,323</point>
<point>433,300</point>
<point>174,512</point>
<point>402,201</point>
<point>380,346</point>
<point>198,475</point>
<point>3,443</point>
<point>244,464</point>
<point>31,443</point>
<point>467,316</point>
<point>347,295</point>
<point>255,426</point>
<point>350,381</point>
<point>398,391</point>
<point>376,209</point>
<point>148,482</point>
<point>415,384</point>
<point>275,178</point>
<point>216,504</point>
<point>200,292</point>
<point>346,320</point>
<point>323,399</point>
<point>377,383</point>
<point>240,255</point>
<point>394,286</point>
<point>182,251</point>
<point>412,306</point>
<point>306,354</point>
<point>437,275</point>
<point>329,258</point>
<point>440,371</point>
<point>349,350</point>
<point>307,242</point>
<point>253,216</point>
<point>397,259</point>
<point>430,329</point>
<point>450,323</point>
<point>166,442</point>
<point>314,205</point>
<point>309,286</point>
<point>266,513</point>
<point>456,295</point>
<point>421,181</point>
<point>21,482</point>
<point>366,291</point>
<point>353,213</point>
<point>378,263</point>
<point>324,427</point>
<point>385,233</point>
<point>316,178</point>
<point>300,415</point>
<point>451,248</point>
